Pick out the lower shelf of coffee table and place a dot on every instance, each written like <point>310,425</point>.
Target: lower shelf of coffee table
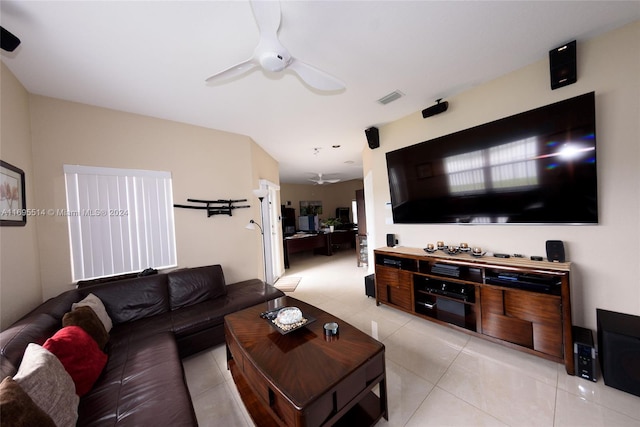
<point>256,410</point>
<point>366,412</point>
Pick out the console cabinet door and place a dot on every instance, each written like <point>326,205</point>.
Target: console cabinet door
<point>393,286</point>
<point>526,318</point>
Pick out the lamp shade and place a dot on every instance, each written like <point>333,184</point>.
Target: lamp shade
<point>261,193</point>
<point>253,225</point>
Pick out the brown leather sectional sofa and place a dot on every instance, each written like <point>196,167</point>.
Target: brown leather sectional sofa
<point>157,320</point>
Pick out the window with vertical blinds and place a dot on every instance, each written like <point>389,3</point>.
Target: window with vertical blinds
<point>120,220</point>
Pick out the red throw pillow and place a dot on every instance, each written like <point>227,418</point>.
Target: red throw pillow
<point>80,356</point>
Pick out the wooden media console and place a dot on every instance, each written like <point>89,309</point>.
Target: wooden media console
<point>516,302</point>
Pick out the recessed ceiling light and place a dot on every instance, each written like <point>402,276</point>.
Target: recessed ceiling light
<point>349,162</point>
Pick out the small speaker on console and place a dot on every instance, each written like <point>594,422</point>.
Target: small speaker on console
<point>373,137</point>
<point>391,240</point>
<point>562,65</point>
<point>555,251</point>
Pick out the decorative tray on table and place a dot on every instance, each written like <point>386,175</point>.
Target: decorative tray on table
<point>287,319</point>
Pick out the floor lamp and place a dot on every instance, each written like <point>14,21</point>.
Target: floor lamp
<point>260,194</point>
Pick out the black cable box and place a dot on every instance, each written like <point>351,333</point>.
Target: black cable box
<point>446,270</point>
<point>392,262</point>
<point>450,290</point>
<point>525,281</point>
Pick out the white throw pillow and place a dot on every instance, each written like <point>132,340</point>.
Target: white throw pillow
<point>98,307</point>
<point>44,379</point>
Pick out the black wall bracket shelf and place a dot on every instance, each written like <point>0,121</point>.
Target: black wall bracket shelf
<point>215,207</point>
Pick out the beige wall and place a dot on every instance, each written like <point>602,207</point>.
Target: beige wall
<point>605,257</point>
<point>204,163</point>
<point>41,134</point>
<point>20,288</point>
<point>332,196</point>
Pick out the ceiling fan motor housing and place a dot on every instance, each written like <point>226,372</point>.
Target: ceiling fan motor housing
<point>273,61</point>
<point>272,56</point>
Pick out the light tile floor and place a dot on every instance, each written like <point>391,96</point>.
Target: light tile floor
<point>436,376</point>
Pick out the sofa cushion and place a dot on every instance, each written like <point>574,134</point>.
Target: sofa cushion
<point>80,356</point>
<point>142,385</point>
<point>97,306</point>
<point>195,318</point>
<point>202,316</point>
<point>193,285</point>
<point>88,320</point>
<point>133,299</point>
<point>17,409</point>
<point>44,379</point>
<point>136,330</point>
<point>244,294</point>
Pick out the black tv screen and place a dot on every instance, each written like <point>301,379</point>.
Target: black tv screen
<point>536,167</point>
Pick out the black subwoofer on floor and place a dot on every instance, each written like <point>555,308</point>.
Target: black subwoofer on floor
<point>370,285</point>
<point>619,350</point>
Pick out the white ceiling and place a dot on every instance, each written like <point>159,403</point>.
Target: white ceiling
<point>152,58</point>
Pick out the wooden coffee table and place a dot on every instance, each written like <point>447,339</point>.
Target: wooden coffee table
<point>305,378</point>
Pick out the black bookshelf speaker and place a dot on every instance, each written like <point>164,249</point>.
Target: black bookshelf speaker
<point>555,251</point>
<point>391,240</point>
<point>562,65</point>
<point>619,350</point>
<point>373,137</point>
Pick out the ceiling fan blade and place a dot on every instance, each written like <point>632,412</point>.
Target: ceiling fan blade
<point>267,14</point>
<point>314,77</point>
<point>331,181</point>
<point>234,71</point>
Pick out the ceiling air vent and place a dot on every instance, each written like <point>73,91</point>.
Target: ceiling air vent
<point>390,97</point>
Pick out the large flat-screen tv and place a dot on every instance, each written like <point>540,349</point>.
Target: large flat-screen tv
<point>536,167</point>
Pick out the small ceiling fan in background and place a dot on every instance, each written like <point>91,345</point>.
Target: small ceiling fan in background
<point>272,56</point>
<point>321,181</point>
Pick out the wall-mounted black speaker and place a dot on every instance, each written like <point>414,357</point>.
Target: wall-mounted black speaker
<point>373,137</point>
<point>8,41</point>
<point>555,251</point>
<point>440,107</point>
<point>391,240</point>
<point>562,65</point>
<point>619,350</point>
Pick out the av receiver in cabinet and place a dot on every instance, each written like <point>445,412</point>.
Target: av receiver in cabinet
<point>516,302</point>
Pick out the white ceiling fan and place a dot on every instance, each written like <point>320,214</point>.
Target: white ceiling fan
<point>321,181</point>
<point>272,56</point>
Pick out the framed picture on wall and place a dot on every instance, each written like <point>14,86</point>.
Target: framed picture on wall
<point>310,208</point>
<point>13,205</point>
